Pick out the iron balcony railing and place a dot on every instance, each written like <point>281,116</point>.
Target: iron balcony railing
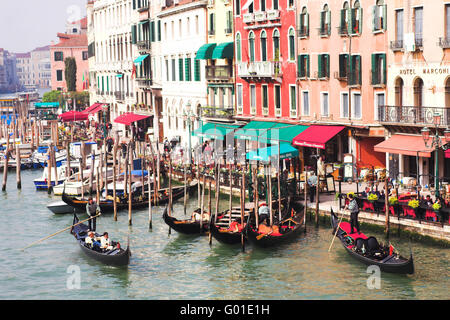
<point>259,69</point>
<point>219,72</point>
<point>396,45</point>
<point>303,32</point>
<point>217,112</point>
<point>143,45</point>
<point>120,96</point>
<point>413,115</point>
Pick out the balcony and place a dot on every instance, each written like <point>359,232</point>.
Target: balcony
<point>260,16</point>
<point>143,45</point>
<point>411,115</point>
<point>273,14</point>
<point>217,112</point>
<point>219,72</point>
<point>259,69</point>
<point>143,8</point>
<point>418,42</point>
<point>397,45</point>
<point>248,18</point>
<point>323,31</point>
<point>340,76</point>
<point>120,96</point>
<point>144,82</point>
<point>303,32</point>
<point>444,42</point>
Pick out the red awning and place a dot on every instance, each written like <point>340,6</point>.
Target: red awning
<point>73,116</point>
<point>404,144</point>
<point>316,136</point>
<point>96,107</point>
<point>130,117</point>
<point>447,153</point>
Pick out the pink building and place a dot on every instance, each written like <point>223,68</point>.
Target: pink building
<point>70,46</point>
<point>342,73</point>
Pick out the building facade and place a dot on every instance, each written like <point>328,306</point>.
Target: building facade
<point>9,81</point>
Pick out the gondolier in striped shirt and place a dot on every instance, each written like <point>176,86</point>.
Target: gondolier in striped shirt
<point>354,210</point>
<point>92,209</point>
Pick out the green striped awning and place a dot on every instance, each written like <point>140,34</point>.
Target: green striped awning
<point>216,131</point>
<point>269,132</point>
<point>46,105</point>
<point>139,59</point>
<point>223,51</point>
<point>206,51</point>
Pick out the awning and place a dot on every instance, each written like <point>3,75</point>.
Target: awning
<point>73,116</point>
<point>120,75</point>
<point>254,129</point>
<point>269,132</point>
<point>46,105</point>
<point>447,153</point>
<point>316,136</point>
<point>139,59</point>
<point>129,117</point>
<point>205,51</point>
<point>405,144</point>
<point>216,131</point>
<point>271,153</point>
<point>223,51</point>
<point>96,107</point>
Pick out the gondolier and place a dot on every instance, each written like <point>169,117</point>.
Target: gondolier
<point>92,209</point>
<point>354,210</point>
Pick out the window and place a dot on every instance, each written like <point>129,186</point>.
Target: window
<point>187,69</point>
<point>196,70</point>
<point>173,70</point>
<point>354,72</point>
<point>356,18</point>
<point>85,55</point>
<point>275,4</point>
<point>324,104</point>
<point>262,5</point>
<point>59,75</point>
<point>59,56</point>
<point>238,7</point>
<point>276,45</point>
<point>238,47</point>
<point>343,26</point>
<point>379,106</point>
<point>293,100</point>
<point>265,99</point>
<point>356,106</point>
<point>378,69</point>
<point>277,100</point>
<point>325,21</point>
<point>379,16</point>
<point>304,23</point>
<point>159,29</point>
<point>167,70</point>
<point>344,105</point>
<point>324,66</point>
<point>252,99</point>
<point>418,91</point>
<point>291,44</point>
<point>303,66</point>
<point>212,24</point>
<point>180,69</point>
<point>263,37</point>
<point>447,21</point>
<point>399,28</point>
<point>290,3</point>
<point>229,25</point>
<point>239,97</point>
<point>251,46</point>
<point>305,109</point>
<point>418,26</point>
<point>343,66</point>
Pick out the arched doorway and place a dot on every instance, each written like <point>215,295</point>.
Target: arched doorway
<point>396,114</point>
<point>418,99</point>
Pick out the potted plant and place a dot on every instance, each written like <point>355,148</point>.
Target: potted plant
<point>372,197</point>
<point>436,207</point>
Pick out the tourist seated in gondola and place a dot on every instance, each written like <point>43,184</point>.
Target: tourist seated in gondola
<point>263,211</point>
<point>196,216</point>
<point>105,242</point>
<point>92,242</point>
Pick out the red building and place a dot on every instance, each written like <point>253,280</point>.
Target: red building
<point>265,58</point>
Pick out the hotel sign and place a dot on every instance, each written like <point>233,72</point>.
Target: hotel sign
<point>428,71</point>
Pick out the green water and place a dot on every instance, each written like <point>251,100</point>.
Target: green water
<point>185,267</point>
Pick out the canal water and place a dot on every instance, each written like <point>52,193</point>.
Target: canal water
<point>177,266</point>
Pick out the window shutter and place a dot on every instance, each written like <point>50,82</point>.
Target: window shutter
<point>384,17</point>
<point>374,69</point>
<point>307,66</point>
<point>341,65</point>
<point>196,70</point>
<point>374,17</point>
<point>350,71</point>
<point>342,19</point>
<point>350,21</point>
<point>383,56</point>
<point>322,21</point>
<point>299,66</point>
<point>360,24</point>
<point>307,24</point>
<point>329,21</point>
<point>358,63</point>
<point>152,31</point>
<point>133,34</point>
<point>320,66</point>
<point>159,30</point>
<point>180,68</point>
<point>134,4</point>
<point>187,68</point>
<point>327,61</point>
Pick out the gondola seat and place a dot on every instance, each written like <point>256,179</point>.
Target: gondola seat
<point>360,243</point>
<point>372,245</point>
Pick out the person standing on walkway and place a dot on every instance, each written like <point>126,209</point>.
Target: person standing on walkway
<point>312,183</point>
<point>354,211</point>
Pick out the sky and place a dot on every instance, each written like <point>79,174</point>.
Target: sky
<point>28,24</point>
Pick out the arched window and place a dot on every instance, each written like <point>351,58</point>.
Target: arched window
<point>325,21</point>
<point>399,92</point>
<point>447,93</point>
<point>418,92</point>
<point>291,36</point>
<point>238,47</point>
<point>304,23</point>
<point>263,37</point>
<point>276,44</point>
<point>251,46</point>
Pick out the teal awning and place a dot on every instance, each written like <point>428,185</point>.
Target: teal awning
<point>216,131</point>
<point>268,154</point>
<point>119,75</point>
<point>205,51</point>
<point>223,51</point>
<point>270,132</point>
<point>46,104</point>
<point>141,58</point>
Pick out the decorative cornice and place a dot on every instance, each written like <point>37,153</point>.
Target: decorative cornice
<point>182,8</point>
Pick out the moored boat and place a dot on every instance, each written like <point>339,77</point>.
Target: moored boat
<point>187,226</point>
<point>60,207</point>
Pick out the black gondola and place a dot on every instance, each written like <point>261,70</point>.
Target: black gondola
<point>108,205</point>
<point>368,251</point>
<point>221,231</point>
<point>185,226</point>
<point>289,227</point>
<point>115,257</point>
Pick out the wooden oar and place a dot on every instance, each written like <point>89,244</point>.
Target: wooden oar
<point>337,229</point>
<point>263,235</point>
<point>54,234</point>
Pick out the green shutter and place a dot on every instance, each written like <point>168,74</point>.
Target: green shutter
<point>329,21</point>
<point>300,66</point>
<point>384,17</point>
<point>320,66</point>
<point>341,65</point>
<point>327,59</point>
<point>134,4</point>
<point>342,19</point>
<point>350,73</point>
<point>374,18</point>
<point>196,70</point>
<point>360,20</point>
<point>187,69</point>
<point>350,21</point>
<point>180,68</point>
<point>358,63</point>
<point>383,56</point>
<point>374,69</point>
<point>307,66</point>
<point>133,34</point>
<point>152,31</point>
<point>307,24</point>
<point>159,30</point>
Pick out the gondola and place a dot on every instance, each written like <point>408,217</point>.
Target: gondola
<point>221,230</point>
<point>368,251</point>
<point>185,226</point>
<point>289,227</point>
<point>108,205</point>
<point>115,257</point>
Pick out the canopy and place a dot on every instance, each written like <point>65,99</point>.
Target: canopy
<point>447,153</point>
<point>73,116</point>
<point>205,51</point>
<point>223,51</point>
<point>96,107</point>
<point>139,59</point>
<point>409,145</point>
<point>267,132</point>
<point>316,136</point>
<point>271,153</point>
<point>130,117</point>
<point>46,105</point>
<point>120,75</point>
<point>216,131</point>
<point>281,134</point>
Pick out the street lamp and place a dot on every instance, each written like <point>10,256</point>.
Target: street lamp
<point>436,142</point>
<point>189,116</point>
